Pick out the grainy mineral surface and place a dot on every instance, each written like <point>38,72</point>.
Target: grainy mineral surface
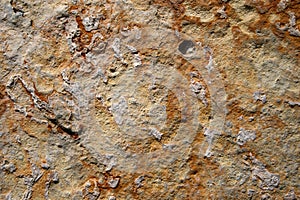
<point>149,99</point>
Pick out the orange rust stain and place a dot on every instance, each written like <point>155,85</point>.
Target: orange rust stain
<point>263,22</point>
<point>202,170</point>
<point>73,7</point>
<point>38,189</point>
<point>273,122</point>
<point>25,168</point>
<point>235,110</point>
<point>177,8</point>
<point>41,96</point>
<point>85,36</point>
<point>3,100</point>
<point>239,36</point>
<point>173,109</point>
<point>230,12</point>
<point>261,6</point>
<point>270,7</point>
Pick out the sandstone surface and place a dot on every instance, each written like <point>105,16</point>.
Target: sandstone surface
<point>149,99</point>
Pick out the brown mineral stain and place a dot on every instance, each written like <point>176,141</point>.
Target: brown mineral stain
<point>270,7</point>
<point>39,188</point>
<point>24,168</point>
<point>3,100</point>
<point>85,36</point>
<point>273,122</point>
<point>239,36</point>
<point>176,7</point>
<point>202,171</point>
<point>33,128</point>
<point>173,114</point>
<point>39,95</point>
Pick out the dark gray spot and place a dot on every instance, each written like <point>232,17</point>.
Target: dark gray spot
<point>185,45</point>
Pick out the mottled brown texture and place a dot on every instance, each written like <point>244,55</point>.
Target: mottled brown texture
<point>68,132</point>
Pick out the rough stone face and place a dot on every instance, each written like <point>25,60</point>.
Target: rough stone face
<point>152,99</point>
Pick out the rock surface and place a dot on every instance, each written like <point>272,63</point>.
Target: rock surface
<point>153,99</point>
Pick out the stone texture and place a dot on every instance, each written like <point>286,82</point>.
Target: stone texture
<point>153,99</point>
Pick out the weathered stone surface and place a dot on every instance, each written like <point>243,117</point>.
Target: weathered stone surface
<point>153,99</point>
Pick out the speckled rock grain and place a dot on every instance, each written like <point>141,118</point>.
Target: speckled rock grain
<point>152,99</point>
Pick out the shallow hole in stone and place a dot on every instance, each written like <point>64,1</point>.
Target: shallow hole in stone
<point>185,46</point>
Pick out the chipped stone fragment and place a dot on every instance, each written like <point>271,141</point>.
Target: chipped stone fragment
<point>91,190</point>
<point>137,60</point>
<point>245,136</point>
<point>154,132</point>
<point>114,182</point>
<point>293,30</point>
<point>251,192</point>
<point>222,13</point>
<point>65,77</point>
<point>132,49</point>
<point>138,181</point>
<point>116,47</point>
<point>54,177</point>
<point>210,65</point>
<point>45,165</point>
<point>282,5</point>
<point>293,103</point>
<point>119,110</point>
<point>210,136</point>
<point>27,194</point>
<point>259,96</point>
<point>97,47</point>
<point>199,91</point>
<point>90,23</point>
<point>282,27</point>
<point>196,87</point>
<point>36,173</point>
<point>268,181</point>
<point>111,198</point>
<point>8,196</point>
<point>265,196</point>
<point>9,167</point>
<point>290,195</point>
<point>292,19</point>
